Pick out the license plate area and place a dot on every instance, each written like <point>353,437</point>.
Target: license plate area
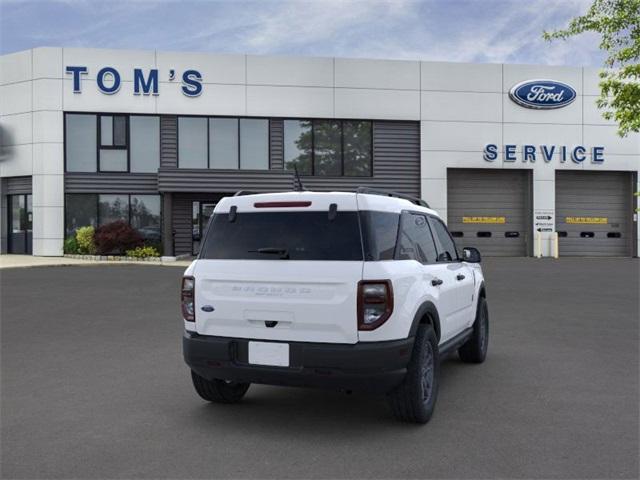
<point>269,353</point>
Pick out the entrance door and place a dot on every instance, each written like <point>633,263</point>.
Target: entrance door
<point>201,213</point>
<point>20,220</point>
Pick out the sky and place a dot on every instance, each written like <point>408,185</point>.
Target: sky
<point>486,31</point>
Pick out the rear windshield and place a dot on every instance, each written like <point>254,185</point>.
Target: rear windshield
<point>283,236</point>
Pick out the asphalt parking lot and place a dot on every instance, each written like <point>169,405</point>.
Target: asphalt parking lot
<point>93,386</point>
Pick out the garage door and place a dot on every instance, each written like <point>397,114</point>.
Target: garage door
<point>594,213</point>
<point>489,210</point>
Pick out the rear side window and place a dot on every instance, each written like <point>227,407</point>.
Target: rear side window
<point>380,231</point>
<point>283,236</point>
<point>414,240</point>
<point>445,244</point>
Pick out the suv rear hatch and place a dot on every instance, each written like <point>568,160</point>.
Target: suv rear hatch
<point>281,267</point>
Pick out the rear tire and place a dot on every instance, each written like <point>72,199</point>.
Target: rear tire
<point>219,391</point>
<point>475,349</point>
<point>415,398</point>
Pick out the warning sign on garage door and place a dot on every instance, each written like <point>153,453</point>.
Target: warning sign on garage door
<point>494,220</point>
<point>587,220</point>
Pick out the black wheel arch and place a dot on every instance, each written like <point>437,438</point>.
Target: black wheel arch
<point>482,291</point>
<point>426,314</point>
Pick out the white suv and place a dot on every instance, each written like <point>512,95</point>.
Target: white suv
<point>352,291</point>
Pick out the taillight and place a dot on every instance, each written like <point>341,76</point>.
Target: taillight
<point>187,297</point>
<point>375,303</point>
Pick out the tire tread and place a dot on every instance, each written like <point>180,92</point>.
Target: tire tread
<point>471,350</point>
<point>403,400</point>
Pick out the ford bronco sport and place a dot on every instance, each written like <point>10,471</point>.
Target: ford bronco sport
<point>352,291</point>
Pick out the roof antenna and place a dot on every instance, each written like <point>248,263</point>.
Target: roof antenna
<point>297,183</point>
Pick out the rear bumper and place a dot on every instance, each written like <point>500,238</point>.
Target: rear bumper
<point>374,366</point>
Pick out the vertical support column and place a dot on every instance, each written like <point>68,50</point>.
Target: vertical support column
<point>48,152</point>
<point>636,213</point>
<point>167,225</point>
<point>544,205</point>
<point>48,183</point>
<point>433,181</point>
<point>4,226</point>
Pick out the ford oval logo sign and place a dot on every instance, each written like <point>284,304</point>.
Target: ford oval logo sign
<point>542,94</point>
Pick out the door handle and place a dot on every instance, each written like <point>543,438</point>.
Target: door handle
<point>436,281</point>
<point>460,277</point>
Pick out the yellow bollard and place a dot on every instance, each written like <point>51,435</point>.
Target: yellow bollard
<point>538,249</point>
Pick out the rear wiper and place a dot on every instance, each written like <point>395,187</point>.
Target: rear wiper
<point>283,252</point>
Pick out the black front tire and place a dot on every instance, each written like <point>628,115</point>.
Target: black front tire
<point>414,400</point>
<point>219,391</point>
<point>474,350</point>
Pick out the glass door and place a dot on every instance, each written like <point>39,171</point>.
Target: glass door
<point>201,213</point>
<point>20,224</point>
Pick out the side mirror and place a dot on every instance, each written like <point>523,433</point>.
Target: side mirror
<point>471,255</point>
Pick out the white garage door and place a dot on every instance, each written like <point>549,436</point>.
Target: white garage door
<point>594,213</point>
<point>490,210</point>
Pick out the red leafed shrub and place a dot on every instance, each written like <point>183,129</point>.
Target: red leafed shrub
<point>116,238</point>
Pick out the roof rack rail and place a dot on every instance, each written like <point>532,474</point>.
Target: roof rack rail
<point>388,193</point>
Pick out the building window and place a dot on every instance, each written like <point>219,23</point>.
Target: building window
<point>297,146</point>
<point>329,147</point>
<point>201,212</point>
<point>113,160</point>
<point>142,212</point>
<point>145,143</point>
<point>80,211</point>
<point>357,148</point>
<point>223,143</point>
<point>192,142</point>
<point>112,208</point>
<point>80,142</point>
<point>254,144</point>
<point>146,217</point>
<point>112,143</point>
<point>113,131</point>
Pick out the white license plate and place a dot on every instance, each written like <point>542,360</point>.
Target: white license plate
<point>269,353</point>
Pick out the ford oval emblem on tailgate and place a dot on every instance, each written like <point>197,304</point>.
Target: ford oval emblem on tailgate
<point>207,308</point>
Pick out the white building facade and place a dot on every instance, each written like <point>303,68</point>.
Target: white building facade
<point>154,138</point>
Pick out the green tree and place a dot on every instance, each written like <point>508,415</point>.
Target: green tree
<point>618,23</point>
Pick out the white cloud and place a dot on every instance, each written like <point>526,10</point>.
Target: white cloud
<point>455,30</point>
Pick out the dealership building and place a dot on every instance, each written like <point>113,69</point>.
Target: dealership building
<point>516,158</point>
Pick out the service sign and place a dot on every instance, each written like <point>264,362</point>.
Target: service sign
<point>511,152</point>
<point>542,94</point>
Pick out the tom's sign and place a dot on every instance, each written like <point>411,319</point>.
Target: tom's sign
<point>542,94</point>
<point>108,80</point>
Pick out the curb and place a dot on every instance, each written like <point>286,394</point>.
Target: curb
<point>118,258</point>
